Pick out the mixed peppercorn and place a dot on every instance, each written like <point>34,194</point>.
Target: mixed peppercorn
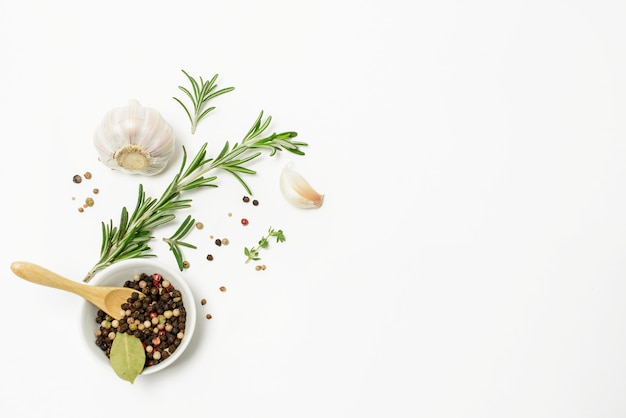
<point>155,314</point>
<point>89,201</point>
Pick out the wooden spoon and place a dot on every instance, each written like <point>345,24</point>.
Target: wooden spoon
<point>107,298</point>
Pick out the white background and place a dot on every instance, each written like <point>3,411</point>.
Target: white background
<point>468,260</point>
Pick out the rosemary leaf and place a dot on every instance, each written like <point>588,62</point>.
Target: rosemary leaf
<point>174,242</point>
<point>203,91</point>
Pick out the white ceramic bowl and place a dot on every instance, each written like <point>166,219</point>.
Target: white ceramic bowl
<point>116,275</point>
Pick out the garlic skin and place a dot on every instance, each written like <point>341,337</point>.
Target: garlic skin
<point>297,191</point>
<point>134,139</point>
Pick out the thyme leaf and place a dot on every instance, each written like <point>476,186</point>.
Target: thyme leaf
<point>253,252</point>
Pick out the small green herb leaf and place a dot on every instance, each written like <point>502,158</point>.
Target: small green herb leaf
<point>252,254</point>
<point>127,356</point>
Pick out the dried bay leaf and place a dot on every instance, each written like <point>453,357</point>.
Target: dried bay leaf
<point>127,356</point>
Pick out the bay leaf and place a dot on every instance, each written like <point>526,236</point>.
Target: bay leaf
<point>127,356</point>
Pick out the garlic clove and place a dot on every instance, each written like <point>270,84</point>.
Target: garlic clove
<point>297,191</point>
<point>134,139</point>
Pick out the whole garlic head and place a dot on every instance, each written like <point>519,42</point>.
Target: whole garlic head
<point>135,140</point>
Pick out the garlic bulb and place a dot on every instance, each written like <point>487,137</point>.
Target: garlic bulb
<point>297,191</point>
<point>135,140</point>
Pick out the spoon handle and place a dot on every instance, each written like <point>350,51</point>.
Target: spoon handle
<point>39,275</point>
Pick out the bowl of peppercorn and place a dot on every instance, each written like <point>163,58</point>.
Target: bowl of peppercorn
<point>161,314</point>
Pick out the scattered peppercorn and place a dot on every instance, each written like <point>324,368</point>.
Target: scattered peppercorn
<point>257,267</point>
<point>209,316</point>
<point>225,241</point>
<point>199,225</point>
<point>246,199</point>
<point>87,175</point>
<point>230,214</point>
<point>185,264</point>
<point>209,257</point>
<point>89,201</point>
<point>218,242</point>
<point>203,301</point>
<point>222,288</point>
<point>77,179</point>
<point>96,191</point>
<point>255,202</point>
<point>244,221</point>
<point>81,209</point>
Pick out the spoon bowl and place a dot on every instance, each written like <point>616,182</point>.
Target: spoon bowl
<point>107,298</point>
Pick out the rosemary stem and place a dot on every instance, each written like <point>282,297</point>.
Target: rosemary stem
<point>130,238</point>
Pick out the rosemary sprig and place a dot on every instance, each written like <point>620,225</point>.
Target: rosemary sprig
<point>174,242</point>
<point>130,238</point>
<point>253,253</point>
<point>201,92</point>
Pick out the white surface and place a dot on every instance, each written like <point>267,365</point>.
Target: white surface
<point>469,257</point>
